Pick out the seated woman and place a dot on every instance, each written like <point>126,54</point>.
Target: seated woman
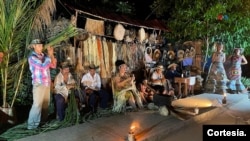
<point>124,89</point>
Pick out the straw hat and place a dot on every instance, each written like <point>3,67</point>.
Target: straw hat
<point>156,55</point>
<point>64,65</point>
<point>171,54</point>
<point>159,67</point>
<point>33,42</point>
<point>171,65</point>
<point>93,66</point>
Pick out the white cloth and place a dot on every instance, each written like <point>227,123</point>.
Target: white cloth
<point>60,85</point>
<point>93,82</point>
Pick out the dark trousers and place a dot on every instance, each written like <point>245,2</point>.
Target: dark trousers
<point>60,106</point>
<point>96,96</point>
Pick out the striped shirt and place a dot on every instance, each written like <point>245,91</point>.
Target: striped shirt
<point>39,65</point>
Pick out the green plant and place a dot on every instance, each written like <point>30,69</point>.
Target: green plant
<point>245,81</point>
<point>20,22</point>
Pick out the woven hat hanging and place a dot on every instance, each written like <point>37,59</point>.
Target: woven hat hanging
<point>141,35</point>
<point>119,32</point>
<point>157,55</point>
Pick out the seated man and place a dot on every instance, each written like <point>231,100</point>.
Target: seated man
<point>171,73</point>
<point>124,89</point>
<point>63,83</point>
<point>91,82</point>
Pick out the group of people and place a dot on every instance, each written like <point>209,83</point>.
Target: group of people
<point>160,90</point>
<point>64,84</point>
<point>221,80</point>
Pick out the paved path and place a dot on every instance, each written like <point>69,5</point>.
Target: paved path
<point>150,126</point>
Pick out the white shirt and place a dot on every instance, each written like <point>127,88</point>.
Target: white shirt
<point>93,82</point>
<point>156,76</point>
<point>60,85</point>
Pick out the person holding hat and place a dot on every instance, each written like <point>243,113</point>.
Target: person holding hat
<point>39,65</point>
<point>91,82</point>
<point>63,83</point>
<point>124,89</point>
<point>234,74</point>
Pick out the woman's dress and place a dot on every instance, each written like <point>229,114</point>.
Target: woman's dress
<point>234,74</point>
<point>122,95</point>
<point>217,78</point>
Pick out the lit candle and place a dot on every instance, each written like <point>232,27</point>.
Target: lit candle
<point>131,136</point>
<point>224,100</point>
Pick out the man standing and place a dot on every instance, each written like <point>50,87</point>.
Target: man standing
<point>39,65</point>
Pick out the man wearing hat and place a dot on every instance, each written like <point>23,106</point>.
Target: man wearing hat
<point>63,83</point>
<point>39,65</point>
<point>92,85</point>
<point>171,73</point>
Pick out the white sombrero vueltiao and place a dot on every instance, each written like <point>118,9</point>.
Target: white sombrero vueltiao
<point>171,65</point>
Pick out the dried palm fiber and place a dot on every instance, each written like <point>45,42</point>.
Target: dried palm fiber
<point>96,59</point>
<point>94,26</point>
<point>141,35</point>
<point>110,50</point>
<point>91,50</point>
<point>141,50</point>
<point>100,55</point>
<point>124,53</point>
<point>152,37</point>
<point>119,32</point>
<point>119,50</point>
<point>114,56</point>
<point>43,18</point>
<point>106,57</point>
<point>86,52</point>
<point>133,55</point>
<point>79,68</point>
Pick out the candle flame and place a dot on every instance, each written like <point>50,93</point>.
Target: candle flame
<point>225,94</point>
